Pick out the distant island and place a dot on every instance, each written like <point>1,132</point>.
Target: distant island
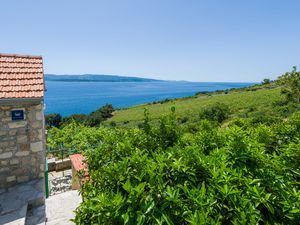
<point>96,78</point>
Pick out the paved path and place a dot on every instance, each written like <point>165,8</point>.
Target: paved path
<point>14,201</point>
<point>60,208</point>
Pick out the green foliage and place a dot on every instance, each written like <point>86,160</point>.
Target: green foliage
<point>93,119</point>
<point>239,101</point>
<point>238,163</point>
<point>161,175</point>
<point>74,136</point>
<point>53,120</point>
<point>291,86</point>
<point>217,112</point>
<point>266,81</point>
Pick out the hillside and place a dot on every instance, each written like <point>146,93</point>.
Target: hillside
<point>95,78</point>
<point>228,157</point>
<point>238,100</point>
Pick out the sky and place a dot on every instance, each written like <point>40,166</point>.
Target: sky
<point>194,40</point>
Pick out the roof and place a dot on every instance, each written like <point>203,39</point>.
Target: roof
<point>77,161</point>
<point>21,76</point>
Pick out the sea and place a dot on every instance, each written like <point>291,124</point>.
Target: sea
<point>68,98</point>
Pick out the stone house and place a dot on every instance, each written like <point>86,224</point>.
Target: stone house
<point>22,129</point>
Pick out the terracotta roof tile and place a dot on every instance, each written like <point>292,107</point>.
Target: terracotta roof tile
<point>21,76</point>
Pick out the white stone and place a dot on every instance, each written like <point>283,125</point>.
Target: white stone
<point>38,115</point>
<point>38,107</point>
<point>36,124</point>
<point>6,155</point>
<point>3,163</point>
<point>11,178</point>
<point>6,119</point>
<point>36,146</point>
<point>14,161</point>
<point>23,153</point>
<point>17,124</point>
<point>40,134</point>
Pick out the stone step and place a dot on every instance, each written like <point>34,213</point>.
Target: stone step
<point>17,200</point>
<point>16,217</point>
<point>36,216</point>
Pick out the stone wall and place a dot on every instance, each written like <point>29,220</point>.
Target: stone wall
<point>22,144</point>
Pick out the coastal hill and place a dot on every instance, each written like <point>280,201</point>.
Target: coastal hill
<point>255,101</point>
<point>96,78</point>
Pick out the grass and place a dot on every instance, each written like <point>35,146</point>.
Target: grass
<point>238,101</point>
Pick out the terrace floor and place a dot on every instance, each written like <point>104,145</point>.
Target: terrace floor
<point>60,208</point>
<point>24,204</point>
<point>17,201</point>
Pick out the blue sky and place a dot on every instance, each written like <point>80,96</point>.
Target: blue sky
<point>231,40</point>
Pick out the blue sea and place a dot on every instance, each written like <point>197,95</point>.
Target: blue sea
<point>69,98</point>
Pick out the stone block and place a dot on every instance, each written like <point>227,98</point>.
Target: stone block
<point>17,124</point>
<point>42,168</point>
<point>22,179</point>
<point>6,155</point>
<point>24,147</point>
<point>11,149</point>
<point>51,164</point>
<point>38,107</point>
<point>6,119</point>
<point>31,116</point>
<point>5,108</point>
<point>4,169</point>
<point>3,133</point>
<point>10,178</point>
<point>36,146</point>
<point>40,134</point>
<point>8,138</point>
<point>12,132</point>
<point>39,115</point>
<point>14,161</point>
<point>22,130</point>
<point>12,143</point>
<point>3,163</point>
<point>4,144</point>
<point>22,139</point>
<point>23,153</point>
<point>32,135</point>
<point>36,124</point>
<point>33,161</point>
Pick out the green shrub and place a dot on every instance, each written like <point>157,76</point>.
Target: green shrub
<point>159,175</point>
<point>217,112</point>
<point>53,120</point>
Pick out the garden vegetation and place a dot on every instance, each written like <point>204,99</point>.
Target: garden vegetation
<point>222,166</point>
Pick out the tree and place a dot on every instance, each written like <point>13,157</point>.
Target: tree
<point>53,120</point>
<point>217,112</point>
<point>98,116</point>
<point>290,82</point>
<point>78,118</point>
<point>266,81</point>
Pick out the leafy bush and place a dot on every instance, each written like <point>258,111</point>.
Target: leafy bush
<point>53,120</point>
<point>160,175</point>
<point>291,86</point>
<point>217,112</point>
<point>93,119</point>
